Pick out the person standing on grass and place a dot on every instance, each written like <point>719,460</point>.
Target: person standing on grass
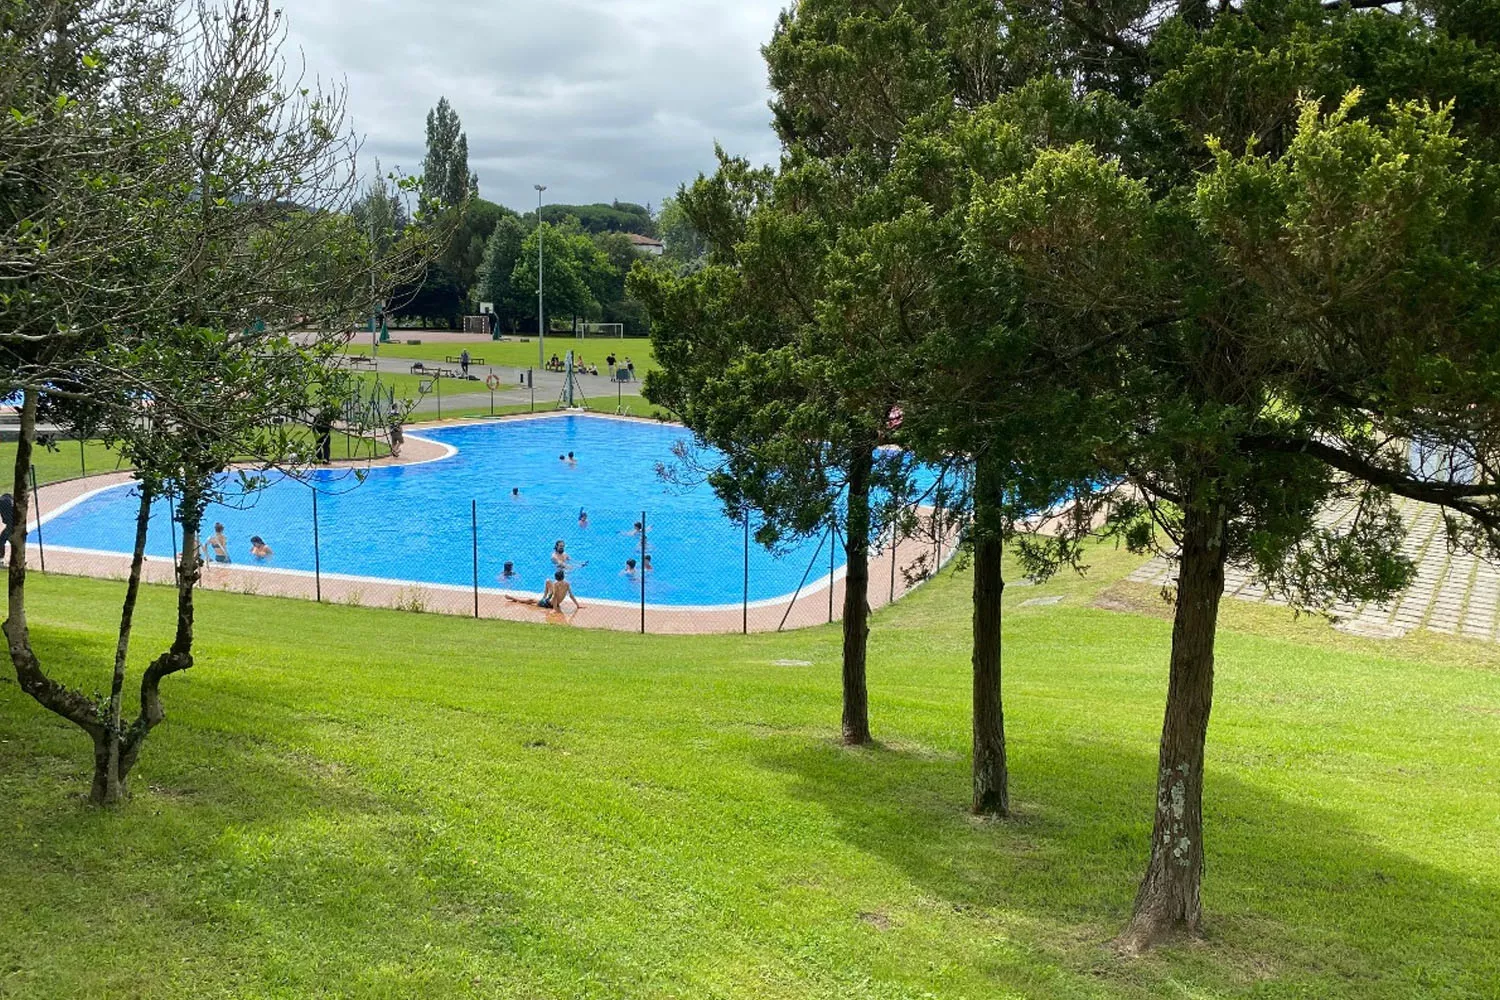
<point>463,362</point>
<point>610,361</point>
<point>8,520</point>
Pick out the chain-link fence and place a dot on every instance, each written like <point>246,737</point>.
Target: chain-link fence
<point>651,570</point>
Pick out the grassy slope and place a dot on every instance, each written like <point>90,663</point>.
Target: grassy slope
<point>355,803</point>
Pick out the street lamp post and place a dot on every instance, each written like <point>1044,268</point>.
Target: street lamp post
<point>541,330</point>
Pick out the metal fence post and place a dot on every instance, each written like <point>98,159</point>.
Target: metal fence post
<point>83,462</point>
<point>895,544</point>
<point>317,556</point>
<point>833,548</point>
<point>643,572</point>
<point>745,622</point>
<point>172,528</point>
<point>531,384</point>
<point>36,504</point>
<point>937,536</point>
<point>474,532</point>
<point>439,383</point>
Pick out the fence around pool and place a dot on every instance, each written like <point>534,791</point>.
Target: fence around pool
<point>631,571</point>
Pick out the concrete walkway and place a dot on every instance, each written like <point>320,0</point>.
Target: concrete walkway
<point>1453,594</point>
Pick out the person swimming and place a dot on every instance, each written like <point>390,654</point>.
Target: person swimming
<point>509,573</point>
<point>561,559</point>
<point>259,549</point>
<point>583,518</point>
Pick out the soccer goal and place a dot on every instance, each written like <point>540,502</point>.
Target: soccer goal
<point>616,330</point>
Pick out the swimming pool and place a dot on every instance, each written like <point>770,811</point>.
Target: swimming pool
<point>412,523</point>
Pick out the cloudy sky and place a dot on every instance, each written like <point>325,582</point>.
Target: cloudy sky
<point>597,99</point>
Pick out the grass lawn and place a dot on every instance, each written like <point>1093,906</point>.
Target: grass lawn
<point>355,803</point>
<point>634,406</point>
<point>63,461</point>
<point>510,353</point>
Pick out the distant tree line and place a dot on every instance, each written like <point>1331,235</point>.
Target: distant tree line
<point>491,255</point>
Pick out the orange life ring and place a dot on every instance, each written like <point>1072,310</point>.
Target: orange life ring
<point>493,381</point>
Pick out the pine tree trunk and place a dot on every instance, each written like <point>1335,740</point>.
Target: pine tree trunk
<point>991,780</point>
<point>857,598</point>
<point>1168,901</point>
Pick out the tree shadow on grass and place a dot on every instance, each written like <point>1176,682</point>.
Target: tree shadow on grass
<point>1296,898</point>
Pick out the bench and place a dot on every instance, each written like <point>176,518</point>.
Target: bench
<point>418,368</point>
<point>458,361</point>
<point>359,361</point>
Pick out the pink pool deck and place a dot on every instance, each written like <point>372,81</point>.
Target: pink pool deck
<point>893,574</point>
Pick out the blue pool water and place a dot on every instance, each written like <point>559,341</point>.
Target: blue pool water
<point>412,523</point>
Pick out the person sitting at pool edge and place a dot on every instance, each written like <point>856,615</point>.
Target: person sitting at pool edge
<point>557,590</point>
<point>259,549</point>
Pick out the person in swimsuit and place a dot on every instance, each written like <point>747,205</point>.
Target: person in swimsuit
<point>218,544</point>
<point>259,549</point>
<point>562,560</point>
<point>557,590</point>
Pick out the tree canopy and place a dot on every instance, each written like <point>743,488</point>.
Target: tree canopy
<point>1228,266</point>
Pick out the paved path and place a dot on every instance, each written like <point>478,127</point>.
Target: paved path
<point>1453,594</point>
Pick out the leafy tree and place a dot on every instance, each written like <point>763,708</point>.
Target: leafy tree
<point>493,283</point>
<point>381,212</point>
<point>186,382</point>
<point>446,180</point>
<point>681,242</point>
<point>431,294</point>
<point>754,372</point>
<point>574,271</point>
<point>848,77</point>
<point>617,217</point>
<point>1271,278</point>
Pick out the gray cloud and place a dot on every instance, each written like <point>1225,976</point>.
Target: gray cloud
<point>597,99</point>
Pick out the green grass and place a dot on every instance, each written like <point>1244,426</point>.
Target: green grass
<point>633,406</point>
<point>63,461</point>
<point>510,353</point>
<point>354,803</point>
